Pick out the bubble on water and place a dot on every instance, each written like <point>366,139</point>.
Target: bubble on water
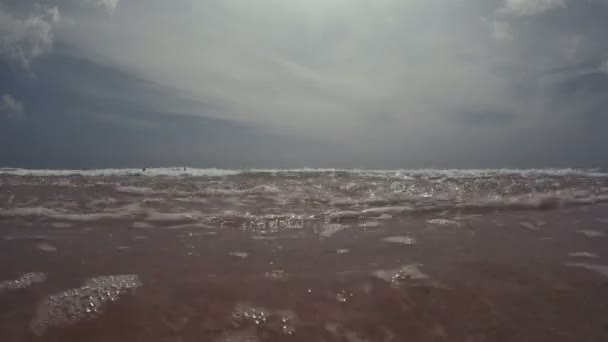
<point>405,274</point>
<point>84,303</point>
<point>276,275</point>
<point>342,251</point>
<point>23,281</point>
<point>403,240</point>
<point>282,321</point>
<point>244,312</point>
<point>343,296</point>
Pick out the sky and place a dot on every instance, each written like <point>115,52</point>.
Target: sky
<point>304,83</point>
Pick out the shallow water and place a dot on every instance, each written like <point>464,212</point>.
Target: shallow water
<point>304,256</point>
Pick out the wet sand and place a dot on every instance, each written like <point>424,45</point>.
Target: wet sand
<point>499,276</point>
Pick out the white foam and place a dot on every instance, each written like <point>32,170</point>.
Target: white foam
<point>369,224</point>
<point>444,222</point>
<point>135,190</point>
<point>84,303</point>
<point>329,230</point>
<point>25,280</point>
<point>406,273</point>
<point>281,320</point>
<point>172,217</point>
<point>387,210</point>
<point>263,237</point>
<point>402,240</point>
<point>171,172</point>
<point>128,211</point>
<point>397,173</point>
<point>338,216</point>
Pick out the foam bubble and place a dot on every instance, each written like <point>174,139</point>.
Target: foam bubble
<point>405,274</point>
<point>444,222</point>
<point>280,321</point>
<point>403,240</point>
<point>84,303</point>
<point>23,281</point>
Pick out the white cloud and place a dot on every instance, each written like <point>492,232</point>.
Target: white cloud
<point>107,5</point>
<point>23,39</point>
<point>604,67</point>
<point>10,107</point>
<point>500,30</point>
<point>530,7</point>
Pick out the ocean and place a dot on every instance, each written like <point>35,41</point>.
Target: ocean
<point>183,254</point>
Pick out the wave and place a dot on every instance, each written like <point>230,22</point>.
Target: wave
<point>397,173</point>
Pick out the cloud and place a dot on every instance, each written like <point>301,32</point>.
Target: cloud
<point>108,5</point>
<point>397,83</point>
<point>530,7</point>
<point>604,67</point>
<point>23,39</point>
<point>10,107</point>
<point>500,30</point>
